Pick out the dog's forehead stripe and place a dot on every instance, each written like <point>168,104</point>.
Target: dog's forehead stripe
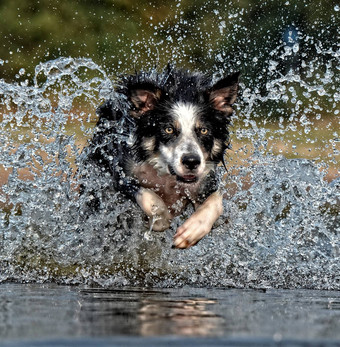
<point>186,116</point>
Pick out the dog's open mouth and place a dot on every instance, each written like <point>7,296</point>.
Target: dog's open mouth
<point>185,178</point>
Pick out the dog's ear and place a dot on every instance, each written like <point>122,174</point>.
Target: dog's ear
<point>223,93</point>
<point>144,99</point>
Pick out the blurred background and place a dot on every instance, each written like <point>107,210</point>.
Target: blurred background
<point>122,35</point>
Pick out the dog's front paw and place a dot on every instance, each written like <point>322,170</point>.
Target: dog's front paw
<point>155,208</point>
<point>159,223</point>
<point>192,231</point>
<point>200,223</point>
<point>160,217</point>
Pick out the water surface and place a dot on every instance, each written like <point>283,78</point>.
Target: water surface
<point>79,314</point>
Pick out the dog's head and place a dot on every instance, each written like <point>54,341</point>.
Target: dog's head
<point>182,123</point>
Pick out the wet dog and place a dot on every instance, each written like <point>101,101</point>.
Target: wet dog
<point>160,138</point>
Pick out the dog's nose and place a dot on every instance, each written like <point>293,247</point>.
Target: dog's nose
<point>191,161</point>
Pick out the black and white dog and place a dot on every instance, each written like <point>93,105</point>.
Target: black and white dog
<point>160,139</point>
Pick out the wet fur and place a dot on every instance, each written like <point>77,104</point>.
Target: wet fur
<point>161,139</point>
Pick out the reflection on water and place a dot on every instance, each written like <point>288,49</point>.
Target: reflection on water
<point>149,313</point>
<point>51,311</point>
<point>187,317</point>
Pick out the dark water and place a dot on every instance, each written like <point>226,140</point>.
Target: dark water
<point>55,315</point>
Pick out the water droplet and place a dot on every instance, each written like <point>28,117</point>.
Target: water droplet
<point>296,47</point>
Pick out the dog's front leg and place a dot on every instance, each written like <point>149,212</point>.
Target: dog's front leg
<point>155,208</point>
<point>200,223</point>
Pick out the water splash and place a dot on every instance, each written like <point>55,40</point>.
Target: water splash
<point>280,226</point>
<point>281,232</point>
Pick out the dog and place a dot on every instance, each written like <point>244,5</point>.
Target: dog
<point>160,138</point>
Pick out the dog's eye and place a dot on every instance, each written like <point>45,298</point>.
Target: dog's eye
<point>204,131</point>
<point>169,130</point>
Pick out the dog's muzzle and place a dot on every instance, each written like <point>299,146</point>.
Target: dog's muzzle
<point>190,162</point>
